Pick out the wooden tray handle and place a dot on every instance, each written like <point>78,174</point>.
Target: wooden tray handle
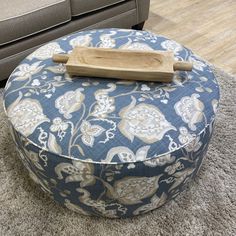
<point>183,66</point>
<point>60,58</point>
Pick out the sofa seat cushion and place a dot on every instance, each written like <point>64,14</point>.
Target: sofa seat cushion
<point>21,18</point>
<point>80,7</point>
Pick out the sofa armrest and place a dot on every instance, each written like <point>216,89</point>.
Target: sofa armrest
<point>142,9</point>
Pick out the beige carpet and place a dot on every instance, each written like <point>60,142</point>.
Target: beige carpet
<point>206,208</point>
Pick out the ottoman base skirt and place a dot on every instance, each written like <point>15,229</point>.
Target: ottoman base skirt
<point>107,147</point>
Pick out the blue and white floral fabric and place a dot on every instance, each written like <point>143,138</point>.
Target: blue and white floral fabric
<point>110,147</point>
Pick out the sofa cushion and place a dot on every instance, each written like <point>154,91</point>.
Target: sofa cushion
<point>21,18</point>
<point>80,7</point>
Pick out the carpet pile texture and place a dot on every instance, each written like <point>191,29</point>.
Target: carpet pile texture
<point>207,207</point>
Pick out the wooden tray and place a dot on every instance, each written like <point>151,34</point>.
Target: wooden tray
<point>122,64</point>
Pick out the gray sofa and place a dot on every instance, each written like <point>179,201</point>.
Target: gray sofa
<point>27,24</point>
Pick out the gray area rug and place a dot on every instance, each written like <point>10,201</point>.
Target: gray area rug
<point>207,207</point>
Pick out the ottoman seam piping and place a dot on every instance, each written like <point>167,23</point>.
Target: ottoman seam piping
<point>112,163</point>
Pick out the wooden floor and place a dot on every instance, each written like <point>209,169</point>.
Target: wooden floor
<point>208,27</point>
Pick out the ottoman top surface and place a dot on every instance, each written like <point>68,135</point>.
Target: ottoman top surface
<point>107,120</point>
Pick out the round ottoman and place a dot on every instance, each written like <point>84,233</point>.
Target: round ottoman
<point>109,147</point>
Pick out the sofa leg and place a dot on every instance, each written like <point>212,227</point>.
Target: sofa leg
<point>139,26</point>
<point>3,83</point>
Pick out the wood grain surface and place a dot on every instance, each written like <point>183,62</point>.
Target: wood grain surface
<point>207,27</point>
<point>122,64</point>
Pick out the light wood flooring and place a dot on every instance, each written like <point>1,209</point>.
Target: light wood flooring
<point>208,27</point>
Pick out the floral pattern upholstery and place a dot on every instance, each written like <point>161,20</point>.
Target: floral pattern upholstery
<point>104,147</point>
